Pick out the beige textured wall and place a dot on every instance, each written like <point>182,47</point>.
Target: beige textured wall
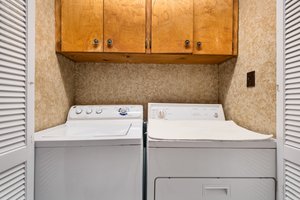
<point>98,83</point>
<point>60,83</point>
<point>253,108</point>
<point>54,89</point>
<point>57,90</point>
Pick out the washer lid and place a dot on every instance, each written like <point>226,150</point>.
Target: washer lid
<point>90,133</point>
<point>201,130</point>
<point>97,129</point>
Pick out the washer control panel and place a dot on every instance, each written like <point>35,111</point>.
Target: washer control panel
<point>166,111</point>
<point>105,112</point>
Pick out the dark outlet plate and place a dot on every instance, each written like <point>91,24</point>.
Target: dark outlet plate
<point>251,79</point>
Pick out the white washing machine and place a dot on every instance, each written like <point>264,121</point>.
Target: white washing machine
<point>194,154</point>
<point>97,154</point>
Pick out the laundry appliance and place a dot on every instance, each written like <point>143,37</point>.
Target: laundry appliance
<point>96,154</point>
<point>193,153</point>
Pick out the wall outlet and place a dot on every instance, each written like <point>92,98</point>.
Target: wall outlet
<point>251,79</point>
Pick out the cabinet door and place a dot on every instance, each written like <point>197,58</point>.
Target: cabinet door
<point>125,26</point>
<point>82,25</point>
<point>213,27</point>
<point>172,26</point>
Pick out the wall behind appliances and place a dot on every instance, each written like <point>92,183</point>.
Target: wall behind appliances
<point>98,83</point>
<point>253,108</point>
<point>54,81</point>
<point>60,83</point>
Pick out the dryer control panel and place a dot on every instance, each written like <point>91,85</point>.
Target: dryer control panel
<point>98,112</point>
<point>165,111</point>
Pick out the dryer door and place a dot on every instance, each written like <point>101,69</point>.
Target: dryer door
<point>214,189</point>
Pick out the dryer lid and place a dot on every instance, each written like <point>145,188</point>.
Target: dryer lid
<point>201,130</point>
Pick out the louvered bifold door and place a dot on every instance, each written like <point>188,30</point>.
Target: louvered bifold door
<point>16,98</point>
<point>288,69</point>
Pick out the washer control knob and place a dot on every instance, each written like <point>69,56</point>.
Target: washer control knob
<point>216,115</point>
<point>99,111</point>
<point>123,111</point>
<point>89,111</point>
<point>78,111</point>
<point>161,114</point>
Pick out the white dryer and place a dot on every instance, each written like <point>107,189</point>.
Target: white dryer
<point>194,154</point>
<point>96,155</point>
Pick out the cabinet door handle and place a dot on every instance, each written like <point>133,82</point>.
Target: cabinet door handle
<point>109,42</point>
<point>187,43</point>
<point>95,42</point>
<point>199,45</point>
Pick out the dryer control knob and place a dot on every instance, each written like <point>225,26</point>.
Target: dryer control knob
<point>78,111</point>
<point>161,114</point>
<point>89,111</point>
<point>123,111</point>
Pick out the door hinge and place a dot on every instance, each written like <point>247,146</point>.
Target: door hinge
<point>58,46</point>
<point>233,47</point>
<point>148,44</point>
<point>32,139</point>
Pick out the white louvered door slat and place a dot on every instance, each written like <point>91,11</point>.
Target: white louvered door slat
<point>288,77</point>
<point>8,35</point>
<point>12,182</point>
<point>17,21</point>
<point>292,74</point>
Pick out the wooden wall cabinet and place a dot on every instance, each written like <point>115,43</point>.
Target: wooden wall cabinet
<point>172,26</point>
<point>213,27</point>
<point>82,25</point>
<point>147,31</point>
<point>124,26</point>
